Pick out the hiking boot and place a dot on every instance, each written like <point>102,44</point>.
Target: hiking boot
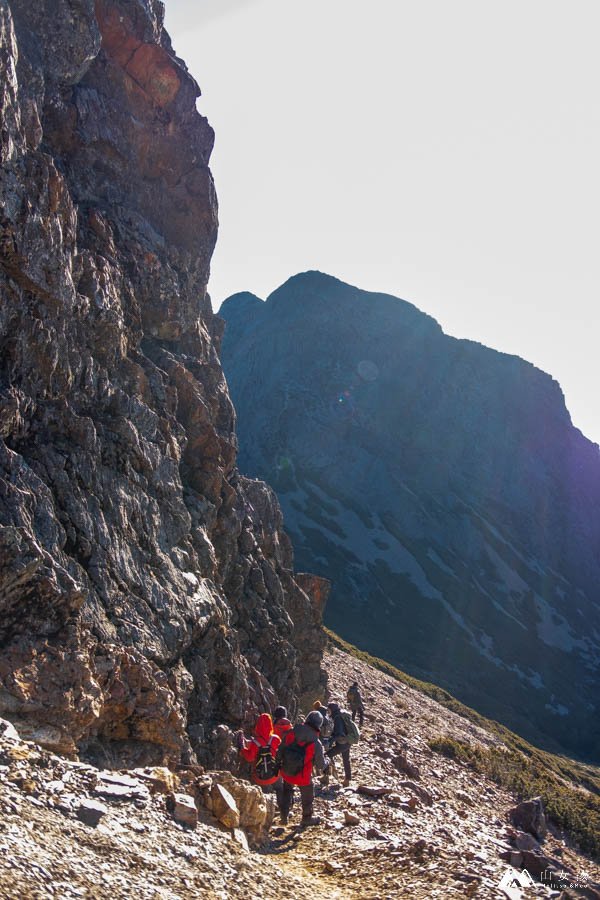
<point>346,782</point>
<point>309,820</point>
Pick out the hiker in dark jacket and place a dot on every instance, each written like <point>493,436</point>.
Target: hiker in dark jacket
<point>355,702</point>
<point>305,736</point>
<point>339,741</point>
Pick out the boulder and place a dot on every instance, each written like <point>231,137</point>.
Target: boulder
<point>8,731</point>
<point>420,791</point>
<point>224,807</point>
<point>256,810</point>
<point>525,841</point>
<point>159,779</point>
<point>90,812</point>
<point>530,816</point>
<point>183,809</point>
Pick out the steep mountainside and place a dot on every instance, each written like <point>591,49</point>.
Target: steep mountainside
<point>146,589</point>
<point>442,488</point>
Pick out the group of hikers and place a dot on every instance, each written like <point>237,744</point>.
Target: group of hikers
<point>284,756</point>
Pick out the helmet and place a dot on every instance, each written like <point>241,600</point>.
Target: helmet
<point>314,719</point>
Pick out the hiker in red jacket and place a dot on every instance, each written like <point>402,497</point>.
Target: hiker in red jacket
<point>260,751</point>
<point>300,749</point>
<point>281,723</point>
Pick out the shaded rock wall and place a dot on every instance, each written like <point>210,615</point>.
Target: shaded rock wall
<point>146,589</point>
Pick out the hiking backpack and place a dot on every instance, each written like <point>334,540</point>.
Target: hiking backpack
<point>293,757</point>
<point>352,732</point>
<point>326,727</point>
<point>266,766</point>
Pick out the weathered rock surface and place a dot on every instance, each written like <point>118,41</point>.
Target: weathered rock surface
<point>146,588</point>
<point>443,489</point>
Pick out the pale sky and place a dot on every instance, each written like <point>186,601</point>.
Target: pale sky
<point>445,151</point>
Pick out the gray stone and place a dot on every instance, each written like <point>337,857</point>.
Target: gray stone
<point>8,731</point>
<point>525,841</point>
<point>90,812</point>
<point>184,809</point>
<point>224,806</point>
<point>374,790</point>
<point>422,793</point>
<point>530,816</point>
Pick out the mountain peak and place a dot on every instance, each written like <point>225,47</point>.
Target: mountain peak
<point>441,487</point>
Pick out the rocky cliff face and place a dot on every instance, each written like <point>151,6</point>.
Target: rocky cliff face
<point>146,588</point>
<point>442,488</point>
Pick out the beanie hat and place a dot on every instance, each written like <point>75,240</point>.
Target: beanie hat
<point>315,720</point>
<point>279,712</point>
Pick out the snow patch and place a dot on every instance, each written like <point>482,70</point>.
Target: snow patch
<point>439,562</point>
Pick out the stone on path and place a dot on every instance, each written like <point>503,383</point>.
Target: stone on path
<point>530,816</point>
<point>420,791</point>
<point>90,812</point>
<point>8,731</point>
<point>403,765</point>
<point>159,779</point>
<point>376,834</point>
<point>240,838</point>
<point>373,790</point>
<point>224,806</point>
<point>183,809</point>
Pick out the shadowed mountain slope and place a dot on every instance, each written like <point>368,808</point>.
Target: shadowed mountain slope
<point>440,485</point>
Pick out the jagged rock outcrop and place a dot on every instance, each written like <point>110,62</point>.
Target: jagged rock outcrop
<point>443,489</point>
<point>146,588</point>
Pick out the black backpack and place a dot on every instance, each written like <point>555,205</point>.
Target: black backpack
<point>293,757</point>
<point>266,766</point>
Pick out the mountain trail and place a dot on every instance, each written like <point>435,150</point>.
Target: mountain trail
<point>437,829</point>
<point>412,824</point>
